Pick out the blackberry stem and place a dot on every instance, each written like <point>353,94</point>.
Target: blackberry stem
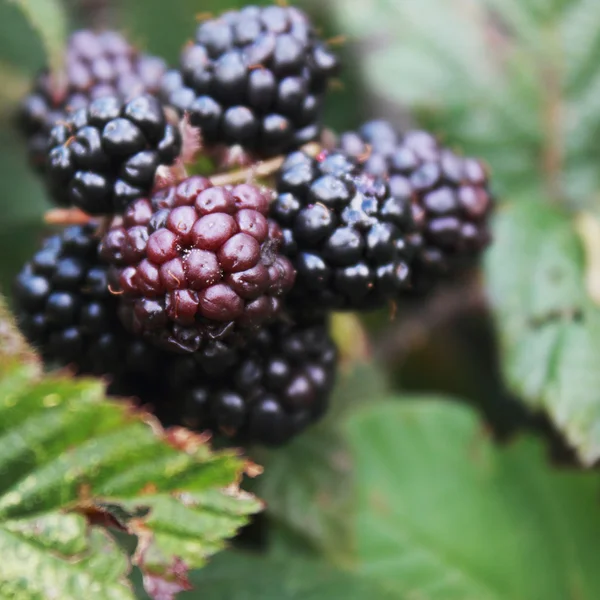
<point>66,216</point>
<point>75,216</point>
<point>261,169</point>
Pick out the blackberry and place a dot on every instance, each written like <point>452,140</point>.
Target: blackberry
<point>96,65</point>
<point>106,155</point>
<point>198,263</point>
<point>254,77</point>
<point>344,231</point>
<point>450,194</point>
<point>67,312</point>
<point>279,385</point>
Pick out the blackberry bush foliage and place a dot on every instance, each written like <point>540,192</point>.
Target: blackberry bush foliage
<point>96,65</point>
<point>198,262</point>
<point>255,77</point>
<point>450,195</point>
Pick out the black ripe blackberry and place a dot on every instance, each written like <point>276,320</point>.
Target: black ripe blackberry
<point>105,155</point>
<point>450,194</point>
<point>344,231</point>
<point>254,77</point>
<point>279,385</point>
<point>198,263</point>
<point>96,65</point>
<point>67,312</point>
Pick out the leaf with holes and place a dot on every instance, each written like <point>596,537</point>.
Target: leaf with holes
<point>444,515</point>
<point>69,456</point>
<point>549,326</point>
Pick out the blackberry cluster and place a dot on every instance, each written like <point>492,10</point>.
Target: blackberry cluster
<point>344,231</point>
<point>276,387</point>
<point>210,301</point>
<point>66,310</point>
<point>106,155</point>
<point>96,65</point>
<point>450,194</point>
<point>254,77</point>
<point>198,263</point>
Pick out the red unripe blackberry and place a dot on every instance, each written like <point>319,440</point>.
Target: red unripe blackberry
<point>344,232</point>
<point>96,65</point>
<point>254,77</point>
<point>197,263</point>
<point>66,311</point>
<point>278,385</point>
<point>450,195</point>
<point>106,155</point>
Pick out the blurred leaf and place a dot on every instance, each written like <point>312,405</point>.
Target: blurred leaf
<point>22,205</point>
<point>517,82</point>
<point>307,485</point>
<point>17,242</point>
<point>235,576</point>
<point>14,28</point>
<point>442,59</point>
<point>13,86</point>
<point>49,20</point>
<point>67,454</point>
<point>549,326</point>
<point>445,515</point>
<point>307,488</point>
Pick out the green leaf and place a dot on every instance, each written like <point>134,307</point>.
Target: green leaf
<point>55,556</point>
<point>13,86</point>
<point>516,82</point>
<point>548,324</point>
<point>435,57</point>
<point>48,19</point>
<point>68,455</point>
<point>443,514</point>
<point>236,576</point>
<point>307,486</point>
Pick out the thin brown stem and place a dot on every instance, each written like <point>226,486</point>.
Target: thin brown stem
<point>259,170</point>
<point>66,216</point>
